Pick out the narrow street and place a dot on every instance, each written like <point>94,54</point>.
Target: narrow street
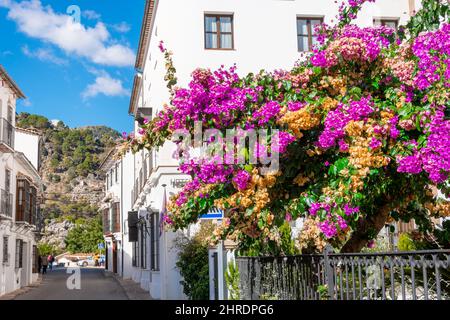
<point>95,285</point>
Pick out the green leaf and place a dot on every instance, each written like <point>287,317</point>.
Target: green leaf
<point>248,168</point>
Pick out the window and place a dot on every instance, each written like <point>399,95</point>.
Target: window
<point>10,114</point>
<point>6,196</point>
<point>136,252</point>
<point>116,217</point>
<point>306,37</point>
<point>111,178</point>
<point>7,180</point>
<point>391,23</point>
<point>23,205</point>
<point>35,260</point>
<point>19,253</point>
<point>143,239</point>
<point>117,172</point>
<point>154,233</point>
<point>106,222</point>
<point>33,205</point>
<point>219,32</point>
<point>5,252</point>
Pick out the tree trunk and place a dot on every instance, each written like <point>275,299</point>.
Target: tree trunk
<point>370,224</point>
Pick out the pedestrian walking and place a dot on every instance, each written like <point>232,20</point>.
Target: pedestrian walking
<point>44,262</point>
<point>50,263</point>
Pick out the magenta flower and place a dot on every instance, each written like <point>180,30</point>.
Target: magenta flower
<point>167,220</point>
<point>375,144</point>
<point>241,179</point>
<point>161,46</point>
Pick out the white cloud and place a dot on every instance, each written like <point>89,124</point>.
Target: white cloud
<point>44,55</point>
<point>27,103</point>
<point>106,85</point>
<point>91,15</point>
<point>93,43</point>
<point>122,27</point>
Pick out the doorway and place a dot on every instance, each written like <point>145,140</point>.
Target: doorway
<point>25,265</point>
<point>114,252</point>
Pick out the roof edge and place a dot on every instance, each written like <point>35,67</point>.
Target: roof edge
<point>12,83</point>
<point>145,33</point>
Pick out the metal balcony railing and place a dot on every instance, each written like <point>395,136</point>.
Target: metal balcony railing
<point>6,203</point>
<point>7,133</point>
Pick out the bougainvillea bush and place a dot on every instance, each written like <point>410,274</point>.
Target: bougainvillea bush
<point>364,137</point>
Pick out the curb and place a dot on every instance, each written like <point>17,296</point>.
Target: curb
<point>142,295</point>
<point>14,294</point>
<point>108,274</point>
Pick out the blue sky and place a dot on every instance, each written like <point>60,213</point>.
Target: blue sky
<point>78,71</point>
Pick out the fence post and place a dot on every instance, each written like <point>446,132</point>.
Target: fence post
<point>329,271</point>
<point>256,279</point>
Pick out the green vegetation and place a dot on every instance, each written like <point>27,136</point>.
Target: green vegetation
<point>77,151</point>
<point>193,263</point>
<point>405,243</point>
<point>32,121</point>
<point>45,249</point>
<point>232,279</point>
<point>69,210</point>
<point>85,236</point>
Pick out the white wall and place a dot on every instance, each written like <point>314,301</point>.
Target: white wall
<point>28,144</point>
<point>265,35</point>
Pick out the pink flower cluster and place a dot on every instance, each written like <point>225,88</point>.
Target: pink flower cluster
<point>241,179</point>
<point>434,158</point>
<point>212,97</point>
<point>337,119</point>
<point>353,44</point>
<point>267,112</point>
<point>433,52</point>
<point>208,171</point>
<point>284,139</point>
<point>332,223</point>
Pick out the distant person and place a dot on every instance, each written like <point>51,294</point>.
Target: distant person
<point>50,260</point>
<point>44,262</point>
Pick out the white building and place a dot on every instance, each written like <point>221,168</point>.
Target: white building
<point>21,188</point>
<point>254,35</point>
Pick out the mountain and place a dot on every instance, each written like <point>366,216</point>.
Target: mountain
<point>69,168</point>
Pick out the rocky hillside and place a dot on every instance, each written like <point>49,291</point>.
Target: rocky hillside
<point>69,167</point>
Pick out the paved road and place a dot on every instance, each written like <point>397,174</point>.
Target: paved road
<point>94,286</point>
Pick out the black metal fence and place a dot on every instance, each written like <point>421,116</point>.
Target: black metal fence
<point>418,275</point>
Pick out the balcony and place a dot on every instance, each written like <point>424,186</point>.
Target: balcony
<point>6,204</point>
<point>6,136</point>
<point>27,206</point>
